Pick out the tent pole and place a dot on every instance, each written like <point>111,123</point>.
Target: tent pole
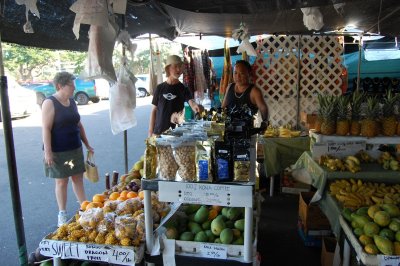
<point>359,63</point>
<point>298,81</point>
<point>12,164</point>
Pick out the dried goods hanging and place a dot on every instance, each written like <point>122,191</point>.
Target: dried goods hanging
<point>167,166</point>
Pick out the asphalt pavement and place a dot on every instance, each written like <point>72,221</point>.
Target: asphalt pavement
<point>39,207</point>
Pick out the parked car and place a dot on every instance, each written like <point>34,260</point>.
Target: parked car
<point>85,90</point>
<point>21,100</point>
<point>103,88</point>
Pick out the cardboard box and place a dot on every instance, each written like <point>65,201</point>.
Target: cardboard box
<point>291,186</point>
<point>309,241</point>
<point>314,232</point>
<point>308,120</point>
<point>328,251</point>
<point>310,214</point>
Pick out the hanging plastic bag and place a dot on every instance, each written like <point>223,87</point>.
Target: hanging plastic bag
<point>101,46</point>
<point>30,5</point>
<point>123,102</point>
<point>246,46</point>
<point>312,18</point>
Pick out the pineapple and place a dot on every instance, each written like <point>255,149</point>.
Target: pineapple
<point>329,112</point>
<point>355,127</point>
<point>389,122</point>
<point>318,121</point>
<point>369,126</point>
<point>343,112</point>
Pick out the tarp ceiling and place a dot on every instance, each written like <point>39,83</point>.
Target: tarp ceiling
<point>170,18</point>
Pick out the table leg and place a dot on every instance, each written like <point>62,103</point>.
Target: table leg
<point>271,185</point>
<point>57,261</point>
<point>346,253</point>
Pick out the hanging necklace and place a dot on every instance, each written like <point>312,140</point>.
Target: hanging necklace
<point>241,95</point>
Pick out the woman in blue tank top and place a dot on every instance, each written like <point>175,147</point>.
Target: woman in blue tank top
<point>63,134</point>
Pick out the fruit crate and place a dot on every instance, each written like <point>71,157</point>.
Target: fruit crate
<point>232,195</point>
<point>115,254</point>
<point>365,258</point>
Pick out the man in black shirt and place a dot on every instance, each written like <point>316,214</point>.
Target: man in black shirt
<point>169,98</point>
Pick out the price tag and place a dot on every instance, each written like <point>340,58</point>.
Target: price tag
<point>213,251</point>
<point>385,260</point>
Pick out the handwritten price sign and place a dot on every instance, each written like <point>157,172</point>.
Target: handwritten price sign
<point>213,251</point>
<point>385,260</point>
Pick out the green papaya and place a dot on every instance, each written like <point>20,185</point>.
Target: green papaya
<point>371,229</point>
<point>226,236</point>
<point>194,227</point>
<point>371,249</point>
<point>391,209</point>
<point>186,236</point>
<point>372,210</point>
<point>365,240</point>
<point>346,213</point>
<point>361,220</point>
<point>362,211</point>
<point>387,233</point>
<point>201,215</point>
<point>358,231</point>
<point>382,218</point>
<point>239,224</point>
<point>384,245</point>
<point>394,224</point>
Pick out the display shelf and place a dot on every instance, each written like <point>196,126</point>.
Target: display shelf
<point>196,261</point>
<point>232,195</point>
<point>365,258</point>
<point>318,138</point>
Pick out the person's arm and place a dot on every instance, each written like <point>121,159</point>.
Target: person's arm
<point>152,120</point>
<point>47,124</point>
<point>258,99</point>
<point>84,137</point>
<point>225,101</point>
<point>195,107</point>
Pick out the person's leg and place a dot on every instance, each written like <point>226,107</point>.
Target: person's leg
<point>61,192</point>
<point>77,186</point>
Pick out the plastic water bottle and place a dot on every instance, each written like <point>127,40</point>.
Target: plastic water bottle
<point>188,112</point>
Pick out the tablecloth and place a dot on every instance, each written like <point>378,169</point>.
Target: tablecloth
<point>280,153</point>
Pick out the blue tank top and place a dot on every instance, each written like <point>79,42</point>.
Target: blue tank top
<point>65,134</point>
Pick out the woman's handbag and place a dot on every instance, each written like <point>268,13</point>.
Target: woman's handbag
<point>91,168</point>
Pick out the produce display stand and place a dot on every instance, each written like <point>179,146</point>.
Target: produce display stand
<point>318,138</point>
<point>224,194</point>
<point>351,242</point>
<point>118,255</point>
<point>280,153</point>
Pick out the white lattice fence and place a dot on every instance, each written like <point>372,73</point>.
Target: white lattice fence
<point>277,67</point>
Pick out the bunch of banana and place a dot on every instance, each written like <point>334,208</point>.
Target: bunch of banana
<point>388,161</point>
<point>284,132</point>
<point>354,194</point>
<point>270,132</point>
<point>332,163</point>
<point>364,157</point>
<point>352,164</point>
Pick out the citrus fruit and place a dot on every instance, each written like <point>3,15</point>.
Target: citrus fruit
<point>84,205</point>
<point>114,196</point>
<point>98,198</point>
<point>131,194</point>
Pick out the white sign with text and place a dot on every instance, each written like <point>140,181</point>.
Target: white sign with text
<point>213,251</point>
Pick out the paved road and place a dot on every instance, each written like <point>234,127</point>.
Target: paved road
<point>37,192</point>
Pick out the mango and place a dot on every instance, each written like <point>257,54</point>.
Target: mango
<point>194,227</point>
<point>372,210</point>
<point>239,241</point>
<point>171,233</point>
<point>387,233</point>
<point>206,225</point>
<point>233,213</point>
<point>210,235</point>
<point>396,248</point>
<point>229,224</point>
<point>236,233</point>
<point>371,249</point>
<point>239,224</point>
<point>371,229</point>
<point>224,212</point>
<point>384,245</point>
<point>365,240</point>
<point>201,215</point>
<point>382,218</point>
<point>186,236</point>
<point>201,237</point>
<point>226,236</point>
<point>394,225</point>
<point>192,208</point>
<point>391,209</point>
<point>217,225</point>
<point>397,236</point>
<point>217,240</point>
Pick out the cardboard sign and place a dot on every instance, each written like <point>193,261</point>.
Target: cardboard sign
<point>89,252</point>
<point>337,149</point>
<point>213,251</point>
<point>385,260</point>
